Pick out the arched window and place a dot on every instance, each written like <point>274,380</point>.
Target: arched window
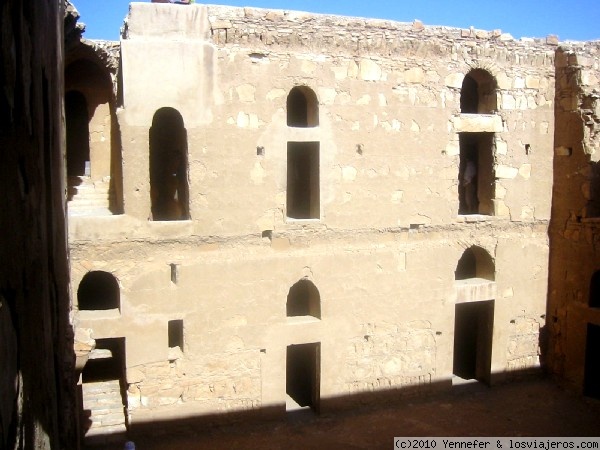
<point>98,290</point>
<point>303,300</point>
<point>78,134</point>
<point>478,93</point>
<point>594,300</point>
<point>168,166</point>
<point>302,108</point>
<point>475,262</point>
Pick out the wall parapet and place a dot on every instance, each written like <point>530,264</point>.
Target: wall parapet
<point>331,35</point>
<point>321,33</point>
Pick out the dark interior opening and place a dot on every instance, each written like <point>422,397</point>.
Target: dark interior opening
<point>302,108</point>
<point>476,182</point>
<point>467,266</point>
<point>469,97</point>
<point>98,290</point>
<point>302,374</point>
<point>176,334</point>
<point>478,93</point>
<point>591,379</point>
<point>78,133</point>
<point>473,327</point>
<point>110,363</point>
<point>475,262</point>
<point>594,300</point>
<point>303,191</point>
<point>168,166</point>
<point>303,300</point>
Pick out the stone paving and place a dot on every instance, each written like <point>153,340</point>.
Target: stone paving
<point>529,408</point>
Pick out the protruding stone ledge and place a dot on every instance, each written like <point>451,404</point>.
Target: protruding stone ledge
<point>477,123</point>
<point>474,289</point>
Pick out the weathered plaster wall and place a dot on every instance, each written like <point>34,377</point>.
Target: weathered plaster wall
<point>397,98</point>
<point>574,226</point>
<point>385,247</point>
<point>387,302</point>
<point>37,401</point>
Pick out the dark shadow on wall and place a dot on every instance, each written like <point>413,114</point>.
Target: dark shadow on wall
<point>275,418</point>
<point>593,207</point>
<point>37,376</point>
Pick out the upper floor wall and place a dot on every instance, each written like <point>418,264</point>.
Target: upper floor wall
<point>390,142</point>
<point>577,134</point>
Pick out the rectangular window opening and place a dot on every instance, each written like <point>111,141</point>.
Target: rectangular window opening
<point>176,334</point>
<point>174,273</point>
<point>303,186</point>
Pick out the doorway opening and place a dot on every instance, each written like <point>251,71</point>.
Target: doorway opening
<point>303,377</point>
<point>473,328</point>
<point>104,389</point>
<point>77,134</point>
<point>476,182</point>
<point>591,377</point>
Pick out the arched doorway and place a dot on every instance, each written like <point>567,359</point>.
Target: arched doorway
<point>474,316</point>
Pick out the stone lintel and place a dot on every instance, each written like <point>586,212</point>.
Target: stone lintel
<point>477,123</point>
<point>474,289</point>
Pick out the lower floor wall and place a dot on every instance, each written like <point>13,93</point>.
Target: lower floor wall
<point>386,320</point>
<point>574,304</point>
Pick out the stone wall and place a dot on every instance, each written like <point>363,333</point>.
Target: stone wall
<point>574,226</point>
<point>37,381</point>
<point>382,249</point>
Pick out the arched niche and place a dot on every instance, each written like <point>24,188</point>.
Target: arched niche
<point>302,108</point>
<point>303,300</point>
<point>478,93</point>
<point>98,290</point>
<point>168,166</point>
<point>475,262</point>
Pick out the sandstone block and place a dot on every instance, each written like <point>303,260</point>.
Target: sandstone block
<point>414,75</point>
<point>369,70</point>
<point>506,172</point>
<point>349,173</point>
<point>490,123</point>
<point>532,82</point>
<point>525,171</point>
<point>246,93</point>
<point>501,147</point>
<point>454,80</point>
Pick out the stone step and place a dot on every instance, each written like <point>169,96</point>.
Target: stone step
<point>79,212</point>
<point>104,403</point>
<point>89,203</point>
<point>91,192</point>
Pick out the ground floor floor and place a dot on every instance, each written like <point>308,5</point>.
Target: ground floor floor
<point>532,407</point>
